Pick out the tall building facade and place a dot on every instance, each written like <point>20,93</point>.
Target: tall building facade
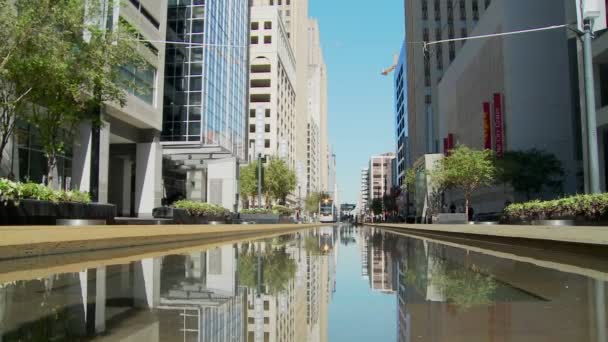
<point>401,118</point>
<point>364,192</point>
<point>517,91</point>
<point>432,20</point>
<point>205,109</point>
<point>272,96</point>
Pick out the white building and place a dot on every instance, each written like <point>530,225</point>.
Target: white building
<point>525,82</point>
<point>272,92</point>
<point>364,192</point>
<point>380,179</point>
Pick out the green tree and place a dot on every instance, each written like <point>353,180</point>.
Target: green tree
<point>279,180</point>
<point>249,182</point>
<point>313,200</point>
<point>530,172</point>
<point>465,169</point>
<point>409,180</point>
<point>376,206</point>
<point>74,67</point>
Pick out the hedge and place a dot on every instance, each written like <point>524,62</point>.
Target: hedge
<point>15,191</point>
<point>276,210</point>
<point>200,208</point>
<point>591,207</point>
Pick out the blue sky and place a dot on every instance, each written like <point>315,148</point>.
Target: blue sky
<point>359,39</point>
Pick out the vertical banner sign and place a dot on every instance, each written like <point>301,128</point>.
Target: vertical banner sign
<point>487,127</point>
<point>446,146</point>
<point>498,125</point>
<point>259,131</point>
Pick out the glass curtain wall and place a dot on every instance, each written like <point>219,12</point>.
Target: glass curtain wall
<point>206,73</point>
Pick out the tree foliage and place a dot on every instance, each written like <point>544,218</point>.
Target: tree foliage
<point>465,169</point>
<point>376,206</point>
<point>409,180</point>
<point>278,268</point>
<point>530,172</point>
<point>70,69</point>
<point>279,180</point>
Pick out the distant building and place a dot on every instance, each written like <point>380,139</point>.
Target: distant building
<point>364,192</point>
<point>380,176</point>
<point>401,119</point>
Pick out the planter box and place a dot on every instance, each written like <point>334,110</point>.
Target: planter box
<point>182,217</point>
<point>261,218</point>
<point>459,218</point>
<point>33,212</point>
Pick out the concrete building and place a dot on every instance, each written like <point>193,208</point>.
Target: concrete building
<point>380,179</point>
<point>272,96</point>
<point>401,118</point>
<point>524,85</point>
<point>205,106</point>
<point>432,20</point>
<point>364,193</point>
<point>317,113</point>
<point>125,152</point>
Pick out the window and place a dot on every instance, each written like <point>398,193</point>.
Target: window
<point>488,3</point>
<point>425,34</point>
<point>254,39</point>
<point>267,113</point>
<point>463,10</point>
<point>475,10</point>
<point>267,39</point>
<point>252,113</point>
<point>437,11</point>
<point>439,55</point>
<point>267,128</point>
<point>427,73</point>
<point>255,25</point>
<point>267,145</point>
<point>425,10</point>
<point>251,128</point>
<point>267,25</point>
<point>452,51</point>
<point>140,81</point>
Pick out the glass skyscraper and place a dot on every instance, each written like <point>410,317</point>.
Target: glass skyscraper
<point>206,74</point>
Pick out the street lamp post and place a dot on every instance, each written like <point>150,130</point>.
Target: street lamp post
<point>592,148</point>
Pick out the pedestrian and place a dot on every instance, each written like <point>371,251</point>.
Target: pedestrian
<point>453,208</point>
<point>471,213</point>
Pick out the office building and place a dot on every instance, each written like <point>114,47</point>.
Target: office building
<point>401,118</point>
<point>432,20</point>
<point>364,192</point>
<point>272,96</point>
<point>380,179</point>
<point>512,93</point>
<point>205,101</point>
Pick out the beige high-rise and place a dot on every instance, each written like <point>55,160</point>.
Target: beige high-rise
<point>303,34</point>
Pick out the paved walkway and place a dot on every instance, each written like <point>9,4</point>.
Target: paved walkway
<point>582,235</point>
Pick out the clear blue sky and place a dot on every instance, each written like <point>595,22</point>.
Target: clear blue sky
<point>359,39</point>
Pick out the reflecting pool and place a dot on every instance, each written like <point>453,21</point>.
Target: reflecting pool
<point>337,283</point>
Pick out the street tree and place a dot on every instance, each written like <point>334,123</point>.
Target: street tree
<point>465,169</point>
<point>313,200</point>
<point>279,180</point>
<point>376,206</point>
<point>531,172</point>
<point>249,182</point>
<point>74,67</point>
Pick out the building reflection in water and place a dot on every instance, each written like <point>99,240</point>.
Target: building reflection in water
<point>280,289</point>
<point>211,295</point>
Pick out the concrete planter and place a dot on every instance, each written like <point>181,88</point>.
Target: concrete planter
<point>459,218</point>
<point>261,218</point>
<point>33,212</point>
<point>183,217</point>
<point>567,222</point>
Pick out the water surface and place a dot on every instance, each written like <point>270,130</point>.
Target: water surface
<point>331,284</point>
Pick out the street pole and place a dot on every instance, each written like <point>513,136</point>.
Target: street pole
<point>259,181</point>
<point>592,148</point>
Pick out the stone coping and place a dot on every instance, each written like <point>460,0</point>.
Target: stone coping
<point>570,234</point>
<point>36,241</point>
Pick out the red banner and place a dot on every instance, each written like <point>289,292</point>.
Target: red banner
<point>487,129</point>
<point>498,125</point>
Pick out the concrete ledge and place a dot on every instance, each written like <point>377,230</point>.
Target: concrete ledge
<point>25,242</point>
<point>579,235</point>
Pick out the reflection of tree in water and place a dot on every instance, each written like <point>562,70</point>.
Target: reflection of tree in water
<point>466,287</point>
<point>311,245</point>
<point>173,272</point>
<point>277,269</point>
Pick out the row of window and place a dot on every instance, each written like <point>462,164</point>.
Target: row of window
<point>256,39</point>
<point>256,25</point>
<point>450,7</point>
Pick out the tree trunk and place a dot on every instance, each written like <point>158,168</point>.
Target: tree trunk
<point>467,196</point>
<point>52,165</point>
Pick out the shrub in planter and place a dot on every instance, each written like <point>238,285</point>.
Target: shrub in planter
<point>582,207</point>
<point>190,212</point>
<point>256,211</point>
<point>282,210</point>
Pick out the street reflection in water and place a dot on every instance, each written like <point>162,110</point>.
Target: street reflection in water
<point>336,283</point>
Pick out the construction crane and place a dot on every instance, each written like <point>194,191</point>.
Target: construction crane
<point>390,69</point>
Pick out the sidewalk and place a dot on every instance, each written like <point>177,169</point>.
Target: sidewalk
<point>578,235</point>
